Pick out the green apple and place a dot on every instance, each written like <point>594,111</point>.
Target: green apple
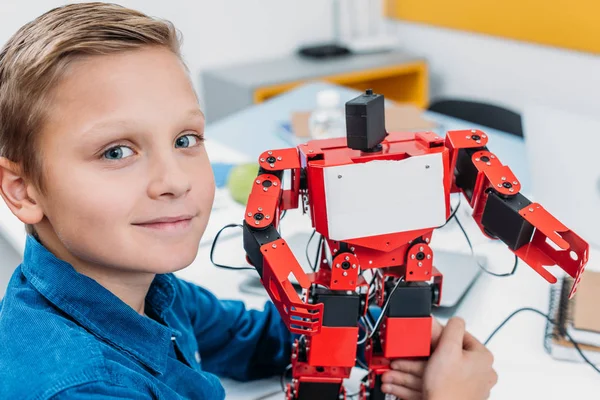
<point>240,181</point>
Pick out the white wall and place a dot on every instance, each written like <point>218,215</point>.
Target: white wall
<point>508,72</point>
<point>215,32</point>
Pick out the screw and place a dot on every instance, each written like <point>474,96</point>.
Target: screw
<point>272,165</point>
<point>489,163</point>
<point>499,185</point>
<point>478,141</point>
<point>421,248</point>
<point>511,190</point>
<point>258,181</point>
<point>274,183</point>
<point>353,266</point>
<point>274,246</point>
<point>477,159</point>
<point>412,257</point>
<point>337,265</point>
<point>469,137</point>
<point>265,189</point>
<point>420,264</point>
<point>311,151</point>
<point>370,261</point>
<point>515,183</point>
<point>324,261</point>
<point>267,217</point>
<point>262,160</point>
<point>249,214</point>
<point>279,159</point>
<point>339,177</point>
<point>293,356</point>
<point>351,248</point>
<point>483,136</point>
<point>493,156</point>
<point>473,131</point>
<point>531,210</point>
<point>256,222</point>
<point>345,273</point>
<point>346,258</point>
<point>503,178</point>
<point>426,240</point>
<point>429,256</point>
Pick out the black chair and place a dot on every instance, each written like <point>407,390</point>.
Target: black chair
<point>480,113</point>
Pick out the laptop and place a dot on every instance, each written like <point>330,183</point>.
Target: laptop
<point>563,149</point>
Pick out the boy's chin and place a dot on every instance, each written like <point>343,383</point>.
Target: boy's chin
<point>167,263</point>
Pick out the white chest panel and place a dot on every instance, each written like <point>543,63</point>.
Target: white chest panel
<point>381,197</point>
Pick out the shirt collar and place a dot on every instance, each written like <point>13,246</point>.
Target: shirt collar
<point>101,312</point>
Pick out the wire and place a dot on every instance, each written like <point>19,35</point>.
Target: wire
<point>306,250</point>
<point>511,273</point>
<point>452,215</point>
<point>591,364</point>
<point>283,376</point>
<point>214,243</point>
<point>384,308</point>
<point>318,256</point>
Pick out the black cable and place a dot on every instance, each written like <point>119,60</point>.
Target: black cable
<point>306,250</point>
<point>451,215</point>
<point>511,273</point>
<point>283,376</point>
<point>214,243</point>
<point>318,256</point>
<point>591,364</point>
<point>384,308</point>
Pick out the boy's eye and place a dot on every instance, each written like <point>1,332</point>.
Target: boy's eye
<point>118,152</point>
<point>187,141</point>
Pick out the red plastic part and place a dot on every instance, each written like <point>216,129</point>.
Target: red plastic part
<point>279,263</point>
<point>333,347</point>
<point>419,270</point>
<point>571,256</point>
<point>407,337</point>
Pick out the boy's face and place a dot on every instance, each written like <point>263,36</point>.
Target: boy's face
<point>128,181</point>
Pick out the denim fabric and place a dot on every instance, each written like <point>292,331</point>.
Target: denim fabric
<point>65,336</point>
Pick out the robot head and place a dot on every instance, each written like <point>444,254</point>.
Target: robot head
<point>365,122</point>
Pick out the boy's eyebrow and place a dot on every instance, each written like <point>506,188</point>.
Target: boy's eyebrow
<point>124,123</point>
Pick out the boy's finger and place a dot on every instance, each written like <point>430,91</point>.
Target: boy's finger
<point>436,332</point>
<point>403,379</point>
<point>414,367</point>
<point>453,334</point>
<point>401,392</point>
<point>471,343</point>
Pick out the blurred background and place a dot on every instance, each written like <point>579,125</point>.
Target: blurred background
<point>273,73</point>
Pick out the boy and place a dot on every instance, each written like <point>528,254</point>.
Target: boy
<point>102,159</point>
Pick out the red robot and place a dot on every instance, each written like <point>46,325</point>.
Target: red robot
<point>375,198</point>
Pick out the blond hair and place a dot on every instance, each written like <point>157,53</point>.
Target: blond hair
<point>36,56</point>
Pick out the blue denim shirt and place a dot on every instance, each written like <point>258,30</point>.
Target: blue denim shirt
<point>65,336</point>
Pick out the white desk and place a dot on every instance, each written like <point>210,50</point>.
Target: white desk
<point>526,371</point>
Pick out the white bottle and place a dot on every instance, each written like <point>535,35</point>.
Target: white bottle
<point>328,120</point>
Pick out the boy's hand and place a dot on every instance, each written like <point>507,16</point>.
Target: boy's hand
<point>405,380</point>
<point>460,367</point>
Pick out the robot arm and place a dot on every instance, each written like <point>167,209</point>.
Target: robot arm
<point>503,213</point>
<point>267,251</point>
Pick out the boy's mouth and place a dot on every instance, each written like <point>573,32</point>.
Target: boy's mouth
<point>167,223</point>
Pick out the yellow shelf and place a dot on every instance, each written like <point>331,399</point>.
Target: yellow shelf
<point>562,23</point>
<point>405,83</point>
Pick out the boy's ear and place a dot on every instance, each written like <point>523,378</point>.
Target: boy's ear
<point>19,195</point>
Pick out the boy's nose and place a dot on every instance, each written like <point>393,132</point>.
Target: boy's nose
<point>168,179</point>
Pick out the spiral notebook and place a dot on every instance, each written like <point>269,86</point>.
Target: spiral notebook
<point>571,316</point>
